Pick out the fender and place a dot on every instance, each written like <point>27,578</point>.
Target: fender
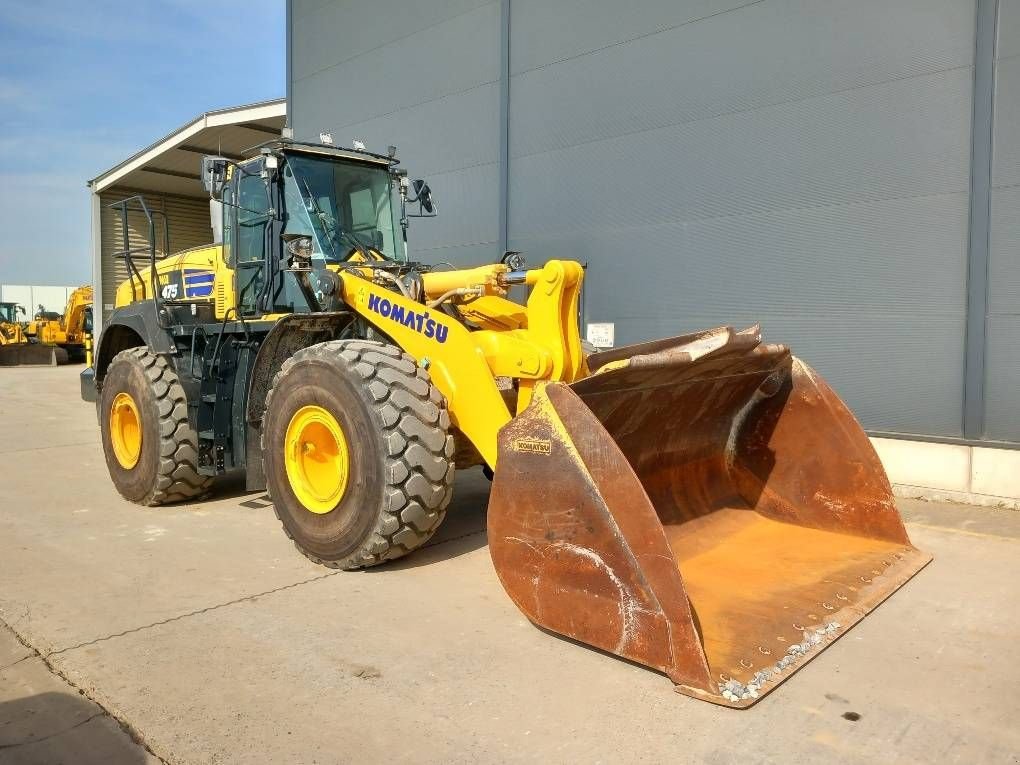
<point>130,326</point>
<point>290,334</point>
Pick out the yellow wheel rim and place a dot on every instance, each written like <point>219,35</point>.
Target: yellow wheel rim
<point>125,430</point>
<point>317,459</point>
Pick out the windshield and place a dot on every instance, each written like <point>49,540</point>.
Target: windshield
<point>7,312</point>
<point>339,203</point>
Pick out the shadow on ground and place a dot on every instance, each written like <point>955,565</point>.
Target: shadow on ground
<point>57,728</point>
<point>462,531</point>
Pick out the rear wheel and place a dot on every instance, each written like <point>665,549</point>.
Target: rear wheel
<point>151,449</point>
<point>359,461</point>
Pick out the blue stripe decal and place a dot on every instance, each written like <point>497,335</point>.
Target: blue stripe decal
<point>204,279</point>
<point>199,291</point>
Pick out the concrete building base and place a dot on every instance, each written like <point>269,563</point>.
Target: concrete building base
<point>973,475</point>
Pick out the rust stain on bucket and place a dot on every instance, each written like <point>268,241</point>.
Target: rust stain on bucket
<point>704,505</point>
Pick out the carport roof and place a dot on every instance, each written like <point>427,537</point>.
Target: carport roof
<point>171,164</point>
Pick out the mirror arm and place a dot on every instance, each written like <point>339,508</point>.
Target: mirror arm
<point>404,223</point>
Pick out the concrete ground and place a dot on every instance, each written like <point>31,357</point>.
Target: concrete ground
<point>204,633</point>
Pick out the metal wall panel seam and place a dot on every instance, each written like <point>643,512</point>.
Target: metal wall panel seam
<point>504,123</point>
<point>980,219</point>
<point>290,63</point>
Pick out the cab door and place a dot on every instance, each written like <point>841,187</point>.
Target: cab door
<point>247,250</point>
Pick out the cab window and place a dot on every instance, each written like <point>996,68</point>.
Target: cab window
<point>249,239</point>
<point>252,218</point>
<point>228,216</point>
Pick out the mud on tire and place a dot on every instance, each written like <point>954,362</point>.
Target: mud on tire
<point>167,467</point>
<point>400,451</point>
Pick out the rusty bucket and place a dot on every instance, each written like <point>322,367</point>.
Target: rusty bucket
<point>704,505</point>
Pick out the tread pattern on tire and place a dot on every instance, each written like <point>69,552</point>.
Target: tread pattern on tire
<point>415,425</point>
<point>177,476</point>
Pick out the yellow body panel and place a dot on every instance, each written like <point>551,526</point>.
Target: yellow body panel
<point>463,364</point>
<point>12,334</point>
<point>184,277</point>
<point>493,336</point>
<point>443,346</point>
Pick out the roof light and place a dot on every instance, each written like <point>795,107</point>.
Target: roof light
<point>358,145</point>
<point>326,138</point>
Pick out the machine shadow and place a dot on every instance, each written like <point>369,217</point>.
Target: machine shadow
<point>463,530</point>
<point>63,727</point>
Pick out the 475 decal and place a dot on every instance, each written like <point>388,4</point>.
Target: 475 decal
<point>188,284</point>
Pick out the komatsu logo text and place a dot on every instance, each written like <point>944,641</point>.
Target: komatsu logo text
<point>532,445</point>
<point>418,321</point>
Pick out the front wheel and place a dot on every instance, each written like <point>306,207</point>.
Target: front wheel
<point>151,449</point>
<point>358,457</point>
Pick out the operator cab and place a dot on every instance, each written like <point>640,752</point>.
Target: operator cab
<point>294,210</point>
<point>9,313</point>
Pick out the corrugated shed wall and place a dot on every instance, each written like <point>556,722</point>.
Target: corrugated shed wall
<point>801,164</point>
<point>1002,360</point>
<point>188,226</point>
<point>423,77</point>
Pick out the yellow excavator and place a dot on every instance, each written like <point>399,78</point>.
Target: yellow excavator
<point>17,348</point>
<point>12,330</point>
<point>67,331</point>
<point>704,505</point>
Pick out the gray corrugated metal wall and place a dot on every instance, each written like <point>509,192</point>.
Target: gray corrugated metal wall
<point>423,77</point>
<point>1002,361</point>
<point>803,164</point>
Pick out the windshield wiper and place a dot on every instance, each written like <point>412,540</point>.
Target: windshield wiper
<point>335,230</point>
<point>323,218</point>
<point>353,240</point>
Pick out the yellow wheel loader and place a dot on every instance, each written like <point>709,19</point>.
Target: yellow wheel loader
<point>17,348</point>
<point>704,505</point>
<point>68,330</point>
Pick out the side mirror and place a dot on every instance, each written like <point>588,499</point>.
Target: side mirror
<point>216,219</point>
<point>214,174</point>
<point>423,196</point>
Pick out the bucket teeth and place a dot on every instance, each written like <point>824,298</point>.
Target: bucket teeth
<point>704,505</point>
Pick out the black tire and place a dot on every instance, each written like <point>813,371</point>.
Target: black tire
<point>401,453</point>
<point>167,467</point>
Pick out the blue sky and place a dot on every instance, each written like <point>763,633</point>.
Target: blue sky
<point>83,85</point>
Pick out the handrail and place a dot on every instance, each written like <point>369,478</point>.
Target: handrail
<point>124,206</point>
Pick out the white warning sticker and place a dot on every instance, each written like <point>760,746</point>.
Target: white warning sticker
<point>602,334</point>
